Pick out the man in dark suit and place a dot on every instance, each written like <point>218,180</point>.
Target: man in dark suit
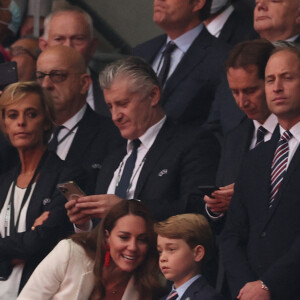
<point>196,63</point>
<point>230,21</point>
<point>277,20</point>
<point>170,161</point>
<point>73,27</point>
<point>260,242</point>
<point>84,137</point>
<point>245,74</point>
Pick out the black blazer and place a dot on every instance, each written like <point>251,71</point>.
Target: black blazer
<point>178,161</point>
<point>33,245</point>
<point>236,145</point>
<point>258,242</point>
<point>199,290</point>
<point>190,90</point>
<point>95,138</point>
<point>238,27</point>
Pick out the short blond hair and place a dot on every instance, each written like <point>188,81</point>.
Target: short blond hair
<point>194,229</point>
<point>17,91</point>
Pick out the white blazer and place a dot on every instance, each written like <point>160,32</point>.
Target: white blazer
<point>66,273</point>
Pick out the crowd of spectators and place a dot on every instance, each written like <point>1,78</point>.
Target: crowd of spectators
<point>199,125</point>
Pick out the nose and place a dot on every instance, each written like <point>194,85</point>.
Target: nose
<point>68,43</point>
<point>115,114</point>
<point>21,120</point>
<point>260,4</point>
<point>162,256</point>
<point>132,244</point>
<point>242,100</point>
<point>46,82</point>
<point>278,87</point>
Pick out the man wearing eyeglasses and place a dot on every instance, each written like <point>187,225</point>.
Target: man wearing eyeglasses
<point>25,52</point>
<point>82,136</point>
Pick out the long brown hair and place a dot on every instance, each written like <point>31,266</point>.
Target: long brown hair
<point>146,276</point>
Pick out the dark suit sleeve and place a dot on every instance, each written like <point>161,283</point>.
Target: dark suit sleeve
<point>234,242</point>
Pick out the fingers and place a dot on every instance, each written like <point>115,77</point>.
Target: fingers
<point>41,219</point>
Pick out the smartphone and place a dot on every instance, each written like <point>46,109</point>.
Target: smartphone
<point>207,189</point>
<point>70,190</point>
<point>8,74</point>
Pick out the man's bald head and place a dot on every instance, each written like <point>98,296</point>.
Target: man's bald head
<point>61,70</point>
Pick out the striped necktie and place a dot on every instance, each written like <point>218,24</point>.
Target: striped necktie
<point>173,295</point>
<point>260,137</point>
<point>279,164</point>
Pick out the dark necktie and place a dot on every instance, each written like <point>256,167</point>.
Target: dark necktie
<point>261,132</point>
<point>52,146</point>
<point>164,71</point>
<point>279,164</point>
<point>121,189</point>
<point>173,295</point>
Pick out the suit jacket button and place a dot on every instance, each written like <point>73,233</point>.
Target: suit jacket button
<point>263,234</point>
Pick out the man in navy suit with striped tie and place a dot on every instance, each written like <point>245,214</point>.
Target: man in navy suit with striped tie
<point>261,240</point>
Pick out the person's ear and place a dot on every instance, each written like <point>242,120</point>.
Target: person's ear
<point>85,81</point>
<point>199,253</point>
<point>155,95</point>
<point>198,5</point>
<point>43,44</point>
<point>298,16</point>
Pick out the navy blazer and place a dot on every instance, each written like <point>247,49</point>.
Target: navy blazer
<point>199,290</point>
<point>179,160</point>
<point>258,242</point>
<point>33,245</point>
<point>190,90</point>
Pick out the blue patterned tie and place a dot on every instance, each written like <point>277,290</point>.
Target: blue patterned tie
<point>121,189</point>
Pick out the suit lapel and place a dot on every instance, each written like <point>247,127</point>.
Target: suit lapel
<point>195,55</point>
<point>4,186</point>
<point>194,288</point>
<point>151,52</point>
<point>85,286</point>
<point>228,27</point>
<point>86,133</point>
<point>161,142</point>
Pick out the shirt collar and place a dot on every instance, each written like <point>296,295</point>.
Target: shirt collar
<point>295,131</point>
<point>148,138</point>
<point>270,124</point>
<point>293,38</point>
<point>185,40</point>
<point>181,290</point>
<point>216,25</point>
<point>76,118</point>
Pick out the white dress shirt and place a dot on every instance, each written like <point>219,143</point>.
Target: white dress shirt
<point>294,141</point>
<point>147,140</point>
<point>64,147</point>
<point>270,125</point>
<point>216,25</point>
<point>183,43</point>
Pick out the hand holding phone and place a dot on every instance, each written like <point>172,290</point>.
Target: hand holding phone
<point>70,190</point>
<point>207,189</point>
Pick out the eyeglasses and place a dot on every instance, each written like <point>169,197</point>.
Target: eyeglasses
<point>55,76</point>
<point>19,50</point>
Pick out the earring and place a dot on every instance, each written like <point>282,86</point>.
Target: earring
<point>107,256</point>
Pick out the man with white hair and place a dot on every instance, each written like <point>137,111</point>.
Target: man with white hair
<point>73,27</point>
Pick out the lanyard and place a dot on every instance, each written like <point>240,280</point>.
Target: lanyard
<point>10,208</point>
<point>70,131</point>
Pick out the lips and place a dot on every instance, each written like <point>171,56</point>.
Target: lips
<point>129,258</point>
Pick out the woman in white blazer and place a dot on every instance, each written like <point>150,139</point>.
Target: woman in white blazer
<point>115,261</point>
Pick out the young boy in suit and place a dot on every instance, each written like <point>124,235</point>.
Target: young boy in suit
<point>183,243</point>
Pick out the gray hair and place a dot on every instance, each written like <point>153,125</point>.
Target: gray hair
<point>69,8</point>
<point>286,46</point>
<point>141,74</point>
